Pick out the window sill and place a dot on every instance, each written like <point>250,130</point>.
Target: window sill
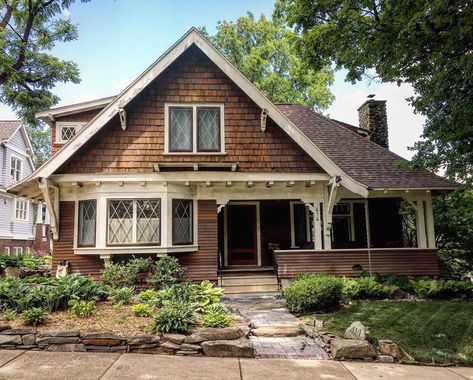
<point>133,250</point>
<point>195,153</point>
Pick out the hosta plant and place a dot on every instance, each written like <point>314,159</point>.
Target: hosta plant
<point>175,317</point>
<point>142,310</point>
<point>216,320</point>
<point>81,308</point>
<point>34,316</point>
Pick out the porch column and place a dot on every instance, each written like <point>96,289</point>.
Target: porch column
<point>429,217</point>
<point>420,224</point>
<point>314,208</point>
<point>39,214</point>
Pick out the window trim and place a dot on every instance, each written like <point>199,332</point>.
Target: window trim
<point>20,172</point>
<point>134,243</point>
<point>27,210</point>
<point>194,106</point>
<point>60,124</point>
<point>79,224</point>
<point>192,226</point>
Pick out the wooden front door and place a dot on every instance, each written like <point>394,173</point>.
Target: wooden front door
<point>242,238</point>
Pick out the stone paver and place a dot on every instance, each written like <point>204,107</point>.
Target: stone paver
<point>269,312</point>
<point>467,373</point>
<point>149,367</point>
<point>58,365</point>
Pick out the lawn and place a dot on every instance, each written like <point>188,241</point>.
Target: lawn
<point>437,332</point>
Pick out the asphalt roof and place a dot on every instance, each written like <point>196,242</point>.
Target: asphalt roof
<point>8,128</point>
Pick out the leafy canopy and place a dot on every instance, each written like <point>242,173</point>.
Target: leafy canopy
<point>427,43</point>
<point>29,29</point>
<point>264,51</point>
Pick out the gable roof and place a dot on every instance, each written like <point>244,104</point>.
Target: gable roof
<point>359,157</point>
<point>8,128</point>
<point>308,140</point>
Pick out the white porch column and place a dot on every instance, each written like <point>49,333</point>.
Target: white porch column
<point>317,227</point>
<point>39,214</point>
<point>420,224</point>
<point>47,217</point>
<point>429,216</point>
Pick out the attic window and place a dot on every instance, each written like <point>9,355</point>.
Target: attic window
<point>194,128</point>
<point>65,131</point>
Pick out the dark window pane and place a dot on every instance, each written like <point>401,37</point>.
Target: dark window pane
<point>208,129</point>
<point>181,221</point>
<point>87,215</point>
<point>180,129</point>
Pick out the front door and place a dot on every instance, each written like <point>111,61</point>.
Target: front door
<point>242,247</point>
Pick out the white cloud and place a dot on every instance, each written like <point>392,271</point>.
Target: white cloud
<point>405,127</point>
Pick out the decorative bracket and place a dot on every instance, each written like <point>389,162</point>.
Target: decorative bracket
<point>122,114</point>
<point>264,116</point>
<point>221,204</point>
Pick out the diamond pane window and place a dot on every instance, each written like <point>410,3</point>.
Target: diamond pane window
<point>87,217</point>
<point>208,129</point>
<point>180,129</point>
<point>120,222</point>
<point>181,221</point>
<point>67,132</point>
<point>148,216</point>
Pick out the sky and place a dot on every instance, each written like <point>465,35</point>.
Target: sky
<point>119,39</point>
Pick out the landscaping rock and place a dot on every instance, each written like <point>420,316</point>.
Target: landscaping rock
<point>237,348</point>
<point>351,348</point>
<point>98,348</point>
<point>5,327</point>
<point>149,345</point>
<point>175,338</point>
<point>10,339</point>
<point>385,358</point>
<point>19,331</point>
<point>277,331</point>
<point>28,339</point>
<point>63,333</point>
<point>105,335</point>
<point>189,347</point>
<point>356,330</point>
<point>316,323</point>
<point>171,345</point>
<point>70,347</point>
<point>102,339</point>
<point>188,353</point>
<point>154,350</point>
<point>11,272</point>
<point>387,347</point>
<point>56,340</point>
<point>144,339</point>
<point>205,334</point>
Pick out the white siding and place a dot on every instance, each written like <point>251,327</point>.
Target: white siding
<point>6,213</point>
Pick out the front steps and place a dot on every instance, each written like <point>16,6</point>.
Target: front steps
<point>249,284</point>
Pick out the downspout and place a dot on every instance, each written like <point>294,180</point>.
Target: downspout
<point>368,234</point>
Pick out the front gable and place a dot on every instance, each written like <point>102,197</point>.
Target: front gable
<point>192,78</point>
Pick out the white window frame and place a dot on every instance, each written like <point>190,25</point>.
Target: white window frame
<point>27,209</point>
<point>17,248</point>
<point>307,222</point>
<point>6,250</point>
<point>61,124</point>
<point>194,107</point>
<point>17,172</point>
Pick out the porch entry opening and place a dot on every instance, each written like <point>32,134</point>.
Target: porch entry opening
<point>242,240</point>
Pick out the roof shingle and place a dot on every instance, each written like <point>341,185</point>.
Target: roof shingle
<point>8,128</point>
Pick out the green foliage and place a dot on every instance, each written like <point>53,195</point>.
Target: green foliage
<point>80,308</point>
<point>264,51</point>
<point>167,271</point>
<point>122,295</point>
<point>206,293</point>
<point>148,295</point>
<point>313,292</point>
<point>402,282</point>
<point>366,288</point>
<point>34,316</point>
<point>138,265</point>
<point>443,289</point>
<point>216,320</point>
<point>175,317</point>
<point>25,260</point>
<point>216,308</point>
<point>9,314</point>
<point>425,43</point>
<point>142,310</point>
<point>117,276</point>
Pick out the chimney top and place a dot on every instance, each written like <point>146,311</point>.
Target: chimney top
<point>373,119</point>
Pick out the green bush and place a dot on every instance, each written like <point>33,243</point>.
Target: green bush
<point>139,265</point>
<point>122,295</point>
<point>366,288</point>
<point>142,310</point>
<point>9,314</point>
<point>81,308</point>
<point>175,317</point>
<point>166,272</point>
<point>206,293</point>
<point>26,260</point>
<point>117,276</point>
<point>147,296</point>
<point>443,289</point>
<point>216,308</point>
<point>402,282</point>
<point>216,320</point>
<point>34,316</point>
<point>313,292</point>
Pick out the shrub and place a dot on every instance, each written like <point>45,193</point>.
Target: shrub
<point>9,315</point>
<point>122,295</point>
<point>117,276</point>
<point>402,282</point>
<point>167,271</point>
<point>142,310</point>
<point>216,308</point>
<point>206,293</point>
<point>365,288</point>
<point>81,308</point>
<point>175,317</point>
<point>139,265</point>
<point>443,289</point>
<point>147,296</point>
<point>34,316</point>
<point>216,320</point>
<point>313,292</point>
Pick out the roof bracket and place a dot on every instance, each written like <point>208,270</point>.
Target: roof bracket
<point>122,114</point>
<point>264,116</point>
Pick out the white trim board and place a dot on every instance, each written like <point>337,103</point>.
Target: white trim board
<point>193,37</point>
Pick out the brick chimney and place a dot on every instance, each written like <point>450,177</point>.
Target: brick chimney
<point>373,118</point>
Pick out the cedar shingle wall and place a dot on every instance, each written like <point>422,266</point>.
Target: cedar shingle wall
<point>203,265</point>
<point>192,78</point>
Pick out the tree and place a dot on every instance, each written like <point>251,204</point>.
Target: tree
<point>28,30</point>
<point>427,43</point>
<point>264,51</point>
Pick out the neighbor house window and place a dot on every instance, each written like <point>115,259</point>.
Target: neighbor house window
<point>21,209</point>
<point>15,168</point>
<point>67,130</point>
<point>17,251</point>
<point>134,221</point>
<point>194,128</point>
<point>6,250</point>
<point>87,219</point>
<point>182,221</point>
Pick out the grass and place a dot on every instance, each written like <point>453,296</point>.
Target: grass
<point>436,332</point>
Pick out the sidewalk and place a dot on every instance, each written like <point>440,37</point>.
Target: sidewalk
<point>19,364</point>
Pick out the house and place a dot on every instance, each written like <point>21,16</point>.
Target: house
<point>18,230</point>
<point>193,161</point>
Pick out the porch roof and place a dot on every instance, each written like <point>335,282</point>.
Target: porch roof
<point>358,157</point>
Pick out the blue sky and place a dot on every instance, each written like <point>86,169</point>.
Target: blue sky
<point>118,39</point>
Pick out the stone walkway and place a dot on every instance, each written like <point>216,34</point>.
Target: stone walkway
<point>265,312</point>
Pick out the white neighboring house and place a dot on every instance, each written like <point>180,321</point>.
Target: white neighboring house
<point>17,215</point>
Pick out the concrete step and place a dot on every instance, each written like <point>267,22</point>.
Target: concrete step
<point>253,280</point>
<point>250,288</point>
